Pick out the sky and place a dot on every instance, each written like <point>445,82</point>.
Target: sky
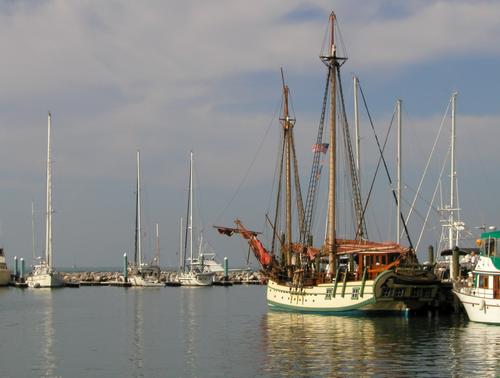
<point>168,77</point>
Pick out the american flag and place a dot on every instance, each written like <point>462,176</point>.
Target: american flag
<point>320,147</point>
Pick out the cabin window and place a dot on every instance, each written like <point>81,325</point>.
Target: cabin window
<point>483,281</point>
<point>416,291</point>
<point>399,292</point>
<point>386,292</point>
<point>328,294</point>
<point>490,247</point>
<point>355,293</point>
<point>427,292</point>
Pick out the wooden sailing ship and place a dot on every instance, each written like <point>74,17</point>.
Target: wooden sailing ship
<point>342,274</point>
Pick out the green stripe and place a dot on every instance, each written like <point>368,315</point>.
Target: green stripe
<point>288,307</point>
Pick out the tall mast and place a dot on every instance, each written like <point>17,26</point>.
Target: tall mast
<point>356,123</point>
<point>181,250</point>
<point>33,229</point>
<point>48,213</point>
<point>190,226</point>
<point>451,222</point>
<point>157,245</point>
<point>287,122</point>
<point>332,62</point>
<point>398,187</point>
<point>452,172</point>
<point>138,247</point>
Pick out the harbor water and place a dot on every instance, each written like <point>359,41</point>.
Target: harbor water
<point>225,332</point>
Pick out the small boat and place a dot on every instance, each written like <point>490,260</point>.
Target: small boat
<point>43,273</point>
<point>480,292</point>
<point>140,273</point>
<point>194,270</point>
<point>4,271</point>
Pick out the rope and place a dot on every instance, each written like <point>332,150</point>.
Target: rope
<point>240,185</point>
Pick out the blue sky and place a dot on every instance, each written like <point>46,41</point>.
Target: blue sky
<point>167,77</point>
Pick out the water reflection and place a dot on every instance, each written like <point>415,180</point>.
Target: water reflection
<point>315,345</point>
<point>45,330</point>
<point>476,350</point>
<point>138,341</point>
<point>300,344</point>
<point>190,327</point>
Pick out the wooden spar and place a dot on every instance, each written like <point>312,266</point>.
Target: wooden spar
<point>331,234</point>
<point>287,122</point>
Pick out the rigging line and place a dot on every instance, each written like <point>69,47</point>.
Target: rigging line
<point>356,194</point>
<point>368,196</point>
<point>386,168</point>
<point>423,199</point>
<point>316,169</point>
<point>250,166</point>
<point>298,190</point>
<point>428,162</point>
<point>278,199</point>
<point>432,200</point>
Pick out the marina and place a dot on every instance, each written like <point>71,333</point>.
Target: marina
<point>340,219</point>
<point>215,330</point>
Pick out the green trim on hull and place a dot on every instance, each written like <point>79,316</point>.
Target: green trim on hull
<point>357,307</point>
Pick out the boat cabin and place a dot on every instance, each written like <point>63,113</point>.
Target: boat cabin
<point>486,281</point>
<point>489,244</point>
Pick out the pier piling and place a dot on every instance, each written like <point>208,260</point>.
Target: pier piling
<point>125,267</point>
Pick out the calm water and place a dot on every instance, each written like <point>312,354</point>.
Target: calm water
<point>224,332</point>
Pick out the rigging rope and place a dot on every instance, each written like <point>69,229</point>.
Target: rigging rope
<point>385,166</point>
<point>240,185</point>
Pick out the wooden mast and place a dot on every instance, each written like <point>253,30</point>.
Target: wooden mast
<point>287,123</point>
<point>331,61</point>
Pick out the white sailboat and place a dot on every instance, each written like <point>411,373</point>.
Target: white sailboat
<point>194,271</point>
<point>140,273</point>
<point>43,274</point>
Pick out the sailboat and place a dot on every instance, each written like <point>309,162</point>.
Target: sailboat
<point>43,274</point>
<point>194,271</point>
<point>141,273</point>
<point>343,274</point>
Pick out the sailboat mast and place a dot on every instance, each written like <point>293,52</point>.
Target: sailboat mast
<point>157,245</point>
<point>398,187</point>
<point>356,123</point>
<point>138,247</point>
<point>190,226</point>
<point>48,213</point>
<point>451,238</point>
<point>287,122</point>
<point>33,229</point>
<point>331,230</point>
<point>181,250</point>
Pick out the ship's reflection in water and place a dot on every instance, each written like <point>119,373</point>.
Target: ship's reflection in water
<point>45,331</point>
<point>138,341</point>
<point>317,345</point>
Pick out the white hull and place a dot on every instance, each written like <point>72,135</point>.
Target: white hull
<point>481,302</point>
<point>482,310</point>
<point>196,279</point>
<point>137,280</point>
<point>45,280</point>
<point>373,295</point>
